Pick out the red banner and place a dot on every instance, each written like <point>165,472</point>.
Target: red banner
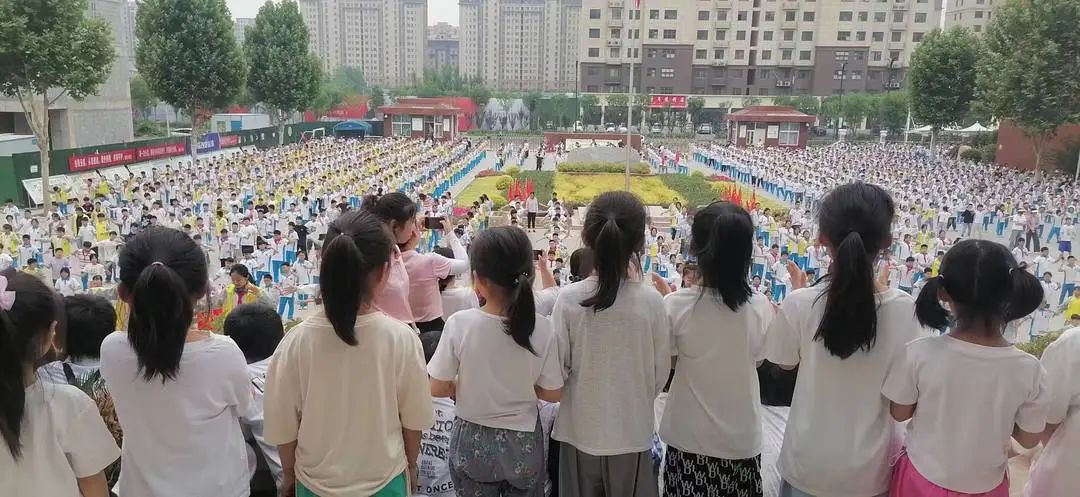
<point>229,141</point>
<point>87,162</point>
<point>662,101</point>
<point>163,150</point>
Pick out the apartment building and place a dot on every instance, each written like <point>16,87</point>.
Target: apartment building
<point>240,24</point>
<point>384,38</point>
<point>520,44</point>
<point>442,46</point>
<point>972,14</point>
<point>751,47</point>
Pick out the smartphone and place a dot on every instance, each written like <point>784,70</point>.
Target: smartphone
<point>433,223</point>
<point>538,254</point>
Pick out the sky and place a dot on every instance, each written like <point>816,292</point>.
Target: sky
<point>438,10</point>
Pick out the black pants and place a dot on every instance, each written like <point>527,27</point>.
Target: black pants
<point>531,216</point>
<point>1030,238</point>
<point>433,325</point>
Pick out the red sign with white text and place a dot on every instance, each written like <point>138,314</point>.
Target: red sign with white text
<point>662,101</point>
<point>87,162</point>
<point>229,141</point>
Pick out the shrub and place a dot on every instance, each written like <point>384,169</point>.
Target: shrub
<point>512,171</point>
<point>580,189</point>
<point>503,182</point>
<point>988,152</point>
<point>697,174</point>
<point>602,167</point>
<point>1038,344</point>
<point>972,154</point>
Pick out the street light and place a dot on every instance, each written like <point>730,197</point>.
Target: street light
<point>842,58</point>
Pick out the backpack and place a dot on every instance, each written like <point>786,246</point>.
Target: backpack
<point>94,386</point>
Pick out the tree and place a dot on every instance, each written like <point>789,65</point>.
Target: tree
<point>189,57</point>
<point>694,107</point>
<point>284,74</point>
<point>329,97</point>
<point>141,97</point>
<point>616,107</point>
<point>807,104</point>
<point>375,100</point>
<point>750,101</point>
<point>1029,72</point>
<point>560,105</point>
<point>351,80</point>
<point>532,102</point>
<point>891,113</point>
<point>50,49</point>
<point>830,110</point>
<point>480,95</point>
<point>856,107</point>
<point>590,108</point>
<point>941,83</point>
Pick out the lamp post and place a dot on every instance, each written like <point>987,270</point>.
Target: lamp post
<point>842,59</point>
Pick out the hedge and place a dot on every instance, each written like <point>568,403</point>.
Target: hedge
<point>602,167</point>
<point>580,189</point>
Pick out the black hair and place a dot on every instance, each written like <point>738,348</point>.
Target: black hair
<point>163,273</point>
<point>581,264</point>
<point>357,243</point>
<point>449,254</point>
<point>256,329</point>
<point>23,330</point>
<point>856,219</point>
<point>90,318</point>
<point>985,285</point>
<point>722,239</point>
<point>242,271</point>
<point>504,257</point>
<point>394,207</point>
<point>615,231</point>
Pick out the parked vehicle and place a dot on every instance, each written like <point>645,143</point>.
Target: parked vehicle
<point>705,129</point>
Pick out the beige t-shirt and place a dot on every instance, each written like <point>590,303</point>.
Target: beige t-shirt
<point>345,406</point>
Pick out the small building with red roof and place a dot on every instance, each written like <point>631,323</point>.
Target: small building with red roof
<point>421,118</point>
<point>769,126</point>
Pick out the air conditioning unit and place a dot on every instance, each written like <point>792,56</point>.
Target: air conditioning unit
<point>899,7</point>
<point>892,85</point>
<point>614,43</point>
<point>783,83</point>
<point>719,63</point>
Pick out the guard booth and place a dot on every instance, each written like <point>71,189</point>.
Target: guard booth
<point>769,126</point>
<point>352,129</point>
<point>421,118</point>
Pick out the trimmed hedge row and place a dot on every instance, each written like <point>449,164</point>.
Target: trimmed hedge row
<point>602,167</point>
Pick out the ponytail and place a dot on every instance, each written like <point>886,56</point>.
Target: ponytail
<point>357,243</point>
<point>1027,294</point>
<point>928,308</point>
<point>13,356</point>
<point>722,240</point>
<point>503,257</point>
<point>615,231</point>
<point>521,313</point>
<point>611,266</point>
<point>158,324</point>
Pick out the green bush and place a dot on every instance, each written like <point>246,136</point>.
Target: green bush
<point>697,174</point>
<point>503,182</point>
<point>543,183</point>
<point>972,154</point>
<point>498,199</point>
<point>1037,345</point>
<point>602,167</point>
<point>512,171</point>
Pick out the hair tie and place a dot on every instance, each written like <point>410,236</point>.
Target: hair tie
<point>519,279</point>
<point>157,263</point>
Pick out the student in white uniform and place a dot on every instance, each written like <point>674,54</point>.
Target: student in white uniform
<point>54,441</point>
<point>1057,471</point>
<point>719,335</point>
<point>455,297</point>
<point>179,392</point>
<point>842,333</point>
<point>614,343</point>
<point>969,391</point>
<point>500,360</point>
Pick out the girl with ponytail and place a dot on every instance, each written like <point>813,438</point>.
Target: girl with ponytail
<point>970,391</point>
<point>499,359</point>
<point>842,334</point>
<point>614,346</point>
<point>54,441</point>
<point>179,391</point>
<point>346,391</point>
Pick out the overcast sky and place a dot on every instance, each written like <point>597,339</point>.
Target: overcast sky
<point>438,10</point>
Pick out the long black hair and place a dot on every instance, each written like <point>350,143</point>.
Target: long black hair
<point>395,208</point>
<point>504,257</point>
<point>855,219</point>
<point>581,264</point>
<point>357,243</point>
<point>163,273</point>
<point>23,330</point>
<point>615,231</point>
<point>722,239</point>
<point>985,285</point>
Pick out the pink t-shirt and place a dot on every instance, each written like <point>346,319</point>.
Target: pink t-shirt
<point>394,298</point>
<point>425,271</point>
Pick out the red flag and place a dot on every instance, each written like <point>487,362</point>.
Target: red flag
<point>528,187</point>
<point>678,156</point>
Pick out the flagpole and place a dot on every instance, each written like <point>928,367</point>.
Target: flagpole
<point>907,125</point>
<point>630,98</point>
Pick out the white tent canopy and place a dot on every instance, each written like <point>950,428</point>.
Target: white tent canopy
<point>922,130</point>
<point>974,128</point>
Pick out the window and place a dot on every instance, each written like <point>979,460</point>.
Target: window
<point>977,28</point>
<point>616,33</point>
<point>804,74</point>
<point>721,15</point>
<point>877,36</point>
<point>629,53</point>
<point>721,34</point>
<point>897,17</point>
<point>766,55</point>
<point>875,56</point>
<point>789,35</point>
<point>741,16</point>
<point>808,16</point>
<point>594,13</point>
<point>897,36</point>
<point>701,54</point>
<point>671,14</point>
<point>650,72</point>
<point>402,126</point>
<point>635,15</point>
<point>807,36</point>
<point>669,34</point>
<point>615,13</point>
<point>764,74</point>
<point>879,17</point>
<point>767,36</point>
<point>651,53</point>
<point>653,34</point>
<point>856,75</point>
<point>785,54</point>
<point>894,55</point>
<point>789,15</point>
<point>718,54</point>
<point>703,15</point>
<point>739,54</point>
<point>978,14</point>
<point>804,55</point>
<point>874,75</point>
<point>864,16</point>
<point>740,35</point>
<point>845,16</point>
<point>700,74</point>
<point>613,52</point>
<point>669,53</point>
<point>838,74</point>
<point>920,17</point>
<point>860,36</point>
<point>594,33</point>
<point>770,16</point>
<point>789,134</point>
<point>666,90</point>
<point>654,14</point>
<point>703,34</point>
<point>667,72</point>
<point>594,52</point>
<point>841,55</point>
<point>843,36</point>
<point>916,37</point>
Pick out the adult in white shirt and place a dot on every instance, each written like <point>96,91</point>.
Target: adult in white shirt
<point>839,432</point>
<point>711,422</point>
<point>179,392</point>
<point>532,207</point>
<point>1057,471</point>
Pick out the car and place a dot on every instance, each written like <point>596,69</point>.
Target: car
<point>705,129</point>
<point>578,127</point>
<point>622,128</point>
<point>656,129</point>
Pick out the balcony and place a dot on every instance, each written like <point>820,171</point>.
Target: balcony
<point>785,24</point>
<point>718,63</point>
<point>615,23</point>
<point>725,24</point>
<point>900,7</point>
<point>616,3</point>
<point>720,43</point>
<point>786,43</point>
<point>614,43</point>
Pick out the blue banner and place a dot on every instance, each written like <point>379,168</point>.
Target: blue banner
<point>209,143</point>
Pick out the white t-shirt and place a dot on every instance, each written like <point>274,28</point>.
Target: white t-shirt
<point>615,362</point>
<point>545,300</point>
<point>433,465</point>
<point>253,420</point>
<point>63,438</point>
<point>712,407</point>
<point>839,434</point>
<point>1057,471</point>
<point>187,426</point>
<point>968,399</point>
<point>495,376</point>
<point>456,299</point>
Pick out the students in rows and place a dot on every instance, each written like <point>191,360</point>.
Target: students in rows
<point>500,359</point>
<point>179,391</point>
<point>54,440</point>
<point>346,393</point>
<point>842,333</point>
<point>969,391</point>
<point>711,422</point>
<point>614,345</point>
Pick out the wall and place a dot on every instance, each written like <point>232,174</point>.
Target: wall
<point>804,134</point>
<point>1015,150</point>
<point>553,138</point>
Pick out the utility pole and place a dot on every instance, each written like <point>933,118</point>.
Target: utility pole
<point>840,111</point>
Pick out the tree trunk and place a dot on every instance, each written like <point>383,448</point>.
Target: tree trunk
<point>1037,145</point>
<point>193,112</point>
<point>280,127</point>
<point>42,132</point>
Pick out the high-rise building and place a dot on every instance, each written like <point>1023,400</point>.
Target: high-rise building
<point>127,35</point>
<point>520,44</point>
<point>442,46</point>
<point>751,47</point>
<point>239,25</point>
<point>384,38</point>
<point>972,14</point>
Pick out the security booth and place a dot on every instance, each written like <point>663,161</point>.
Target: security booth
<point>769,126</point>
<point>352,129</point>
<point>421,118</point>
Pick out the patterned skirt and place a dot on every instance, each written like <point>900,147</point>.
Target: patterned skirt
<point>694,475</point>
<point>487,461</point>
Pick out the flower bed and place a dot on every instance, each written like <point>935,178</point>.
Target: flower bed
<point>602,167</point>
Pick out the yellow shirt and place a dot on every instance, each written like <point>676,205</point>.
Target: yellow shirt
<point>1073,308</point>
